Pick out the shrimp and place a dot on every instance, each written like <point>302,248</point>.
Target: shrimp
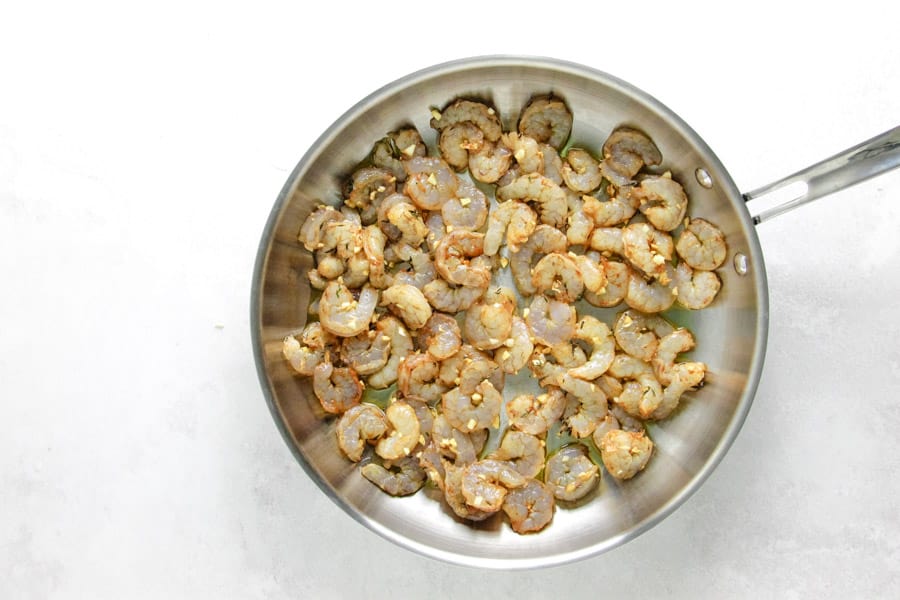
<point>403,432</point>
<point>430,182</point>
<point>469,210</point>
<point>398,478</point>
<point>626,422</point>
<point>450,259</point>
<point>304,357</point>
<point>398,146</point>
<point>586,405</point>
<point>341,314</point>
<point>547,119</point>
<point>592,272</point>
<point>453,478</point>
<point>603,348</point>
<point>552,164</point>
<point>581,171</point>
<point>517,348</point>
<point>452,443</point>
<point>625,151</point>
<point>401,345</point>
<point>625,453</point>
<point>617,277</point>
<point>468,368</point>
<point>516,220</point>
<point>662,200</point>
<point>670,346</point>
<point>407,302</point>
<point>523,450</point>
<point>488,322</point>
<point>543,240</point>
<point>530,507</point>
<point>368,187</point>
<point>642,393</point>
<point>456,141</point>
<point>486,482</point>
<point>451,299</point>
<point>649,297</point>
<point>490,163</point>
<point>440,336</point>
<point>550,321</point>
<point>578,224</point>
<point>526,151</point>
<point>702,245</point>
<point>695,289</point>
<point>479,409</point>
<point>570,473</point>
<point>373,243</point>
<point>547,194</point>
<point>422,272</point>
<point>536,414</point>
<point>606,424</point>
<point>607,213</point>
<point>638,334</point>
<point>648,249</point>
<point>436,230</point>
<point>417,376</point>
<point>367,352</point>
<point>558,276</point>
<point>683,377</point>
<point>313,227</point>
<point>401,221</point>
<point>337,389</point>
<point>607,240</point>
<point>360,424</point>
<point>477,113</point>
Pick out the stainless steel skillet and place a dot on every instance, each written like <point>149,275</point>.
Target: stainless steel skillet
<point>731,333</point>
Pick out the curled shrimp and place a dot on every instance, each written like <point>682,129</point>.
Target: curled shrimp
<point>477,113</point>
<point>581,171</point>
<point>367,352</point>
<point>453,444</point>
<point>570,473</point>
<point>695,289</point>
<point>440,336</point>
<point>551,322</point>
<point>468,368</point>
<point>488,322</point>
<point>641,393</point>
<point>400,220</point>
<point>401,345</point>
<point>490,163</point>
<point>667,350</point>
<point>360,424</point>
<point>373,243</point>
<point>342,314</point>
<point>530,507</point>
<point>403,431</point>
<point>648,249</point>
<point>702,245</point>
<point>451,259</point>
<point>578,224</point>
<point>396,147</point>
<point>683,376</point>
<point>586,405</point>
<point>524,451</point>
<point>417,376</point>
<point>607,213</point>
<point>547,194</point>
<point>607,240</point>
<point>368,186</point>
<point>513,355</point>
<point>546,119</point>
<point>407,302</point>
<point>625,453</point>
<point>313,227</point>
<point>526,151</point>
<point>617,275</point>
<point>557,275</point>
<point>479,409</point>
<point>468,210</point>
<point>449,298</point>
<point>456,141</point>
<point>592,272</point>
<point>552,164</point>
<point>453,478</point>
<point>430,182</point>
<point>606,424</point>
<point>649,296</point>
<point>603,348</point>
<point>398,478</point>
<point>543,240</point>
<point>662,200</point>
<point>338,389</point>
<point>638,334</point>
<point>535,414</point>
<point>625,151</point>
<point>306,353</point>
<point>419,274</point>
<point>486,482</point>
<point>516,220</point>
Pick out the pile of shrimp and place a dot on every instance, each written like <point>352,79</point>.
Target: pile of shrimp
<point>410,304</point>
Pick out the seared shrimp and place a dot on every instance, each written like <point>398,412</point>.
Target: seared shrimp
<point>551,321</point>
<point>368,187</point>
<point>342,314</point>
<point>430,183</point>
<point>479,409</point>
<point>315,341</point>
<point>418,376</point>
<point>486,482</point>
<point>516,349</point>
<point>581,171</point>
<point>313,227</point>
<point>419,275</point>
<point>451,259</point>
<point>638,334</point>
<point>449,298</point>
<point>536,414</point>
<point>603,347</point>
<point>440,336</point>
<point>578,224</point>
<point>625,151</point>
<point>360,424</point>
<point>607,213</point>
<point>398,146</point>
<point>617,277</point>
<point>401,345</point>
<point>683,377</point>
<point>407,302</point>
<point>570,473</point>
<point>696,289</point>
<point>490,163</point>
<point>453,478</point>
<point>456,141</point>
<point>649,297</point>
<point>543,240</point>
<point>625,453</point>
<point>401,222</point>
<point>367,352</point>
<point>530,507</point>
<point>373,243</point>
<point>546,119</point>
<point>586,405</point>
<point>642,393</point>
<point>516,220</point>
<point>557,275</point>
<point>702,245</point>
<point>527,152</point>
<point>523,450</point>
<point>477,113</point>
<point>662,200</point>
<point>552,164</point>
<point>469,210</point>
<point>337,389</point>
<point>669,347</point>
<point>606,424</point>
<point>403,432</point>
<point>452,443</point>
<point>648,249</point>
<point>398,478</point>
<point>488,322</point>
<point>547,194</point>
<point>607,240</point>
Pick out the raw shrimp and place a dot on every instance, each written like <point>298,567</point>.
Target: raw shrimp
<point>662,200</point>
<point>452,443</point>
<point>440,336</point>
<point>642,393</point>
<point>430,182</point>
<point>586,405</point>
<point>578,224</point>
<point>398,146</point>
<point>702,245</point>
<point>625,151</point>
<point>625,453</point>
<point>607,213</point>
<point>486,482</point>
<point>470,411</point>
<point>695,289</point>
<point>469,210</point>
<point>523,450</point>
<point>581,171</point>
<point>550,321</point>
<point>342,314</point>
<point>526,151</point>
<point>450,259</point>
<point>530,507</point>
<point>398,478</point>
<point>488,322</point>
<point>543,240</point>
<point>536,414</point>
<point>477,113</point>
<point>570,473</point>
<point>547,194</point>
<point>407,302</point>
<point>617,276</point>
<point>403,432</point>
<point>453,478</point>
<point>360,424</point>
<point>490,163</point>
<point>337,389</point>
<point>515,219</point>
<point>456,141</point>
<point>603,348</point>
<point>547,119</point>
<point>607,240</point>
<point>449,298</point>
<point>517,348</point>
<point>638,334</point>
<point>648,249</point>
<point>417,375</point>
<point>368,187</point>
<point>313,227</point>
<point>649,297</point>
<point>367,352</point>
<point>557,275</point>
<point>401,345</point>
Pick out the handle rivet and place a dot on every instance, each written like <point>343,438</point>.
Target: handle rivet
<point>703,177</point>
<point>741,264</point>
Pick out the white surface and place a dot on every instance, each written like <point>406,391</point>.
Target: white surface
<point>140,153</point>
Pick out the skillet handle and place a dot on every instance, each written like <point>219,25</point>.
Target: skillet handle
<point>854,165</point>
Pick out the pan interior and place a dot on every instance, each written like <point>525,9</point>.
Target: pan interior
<point>730,334</point>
